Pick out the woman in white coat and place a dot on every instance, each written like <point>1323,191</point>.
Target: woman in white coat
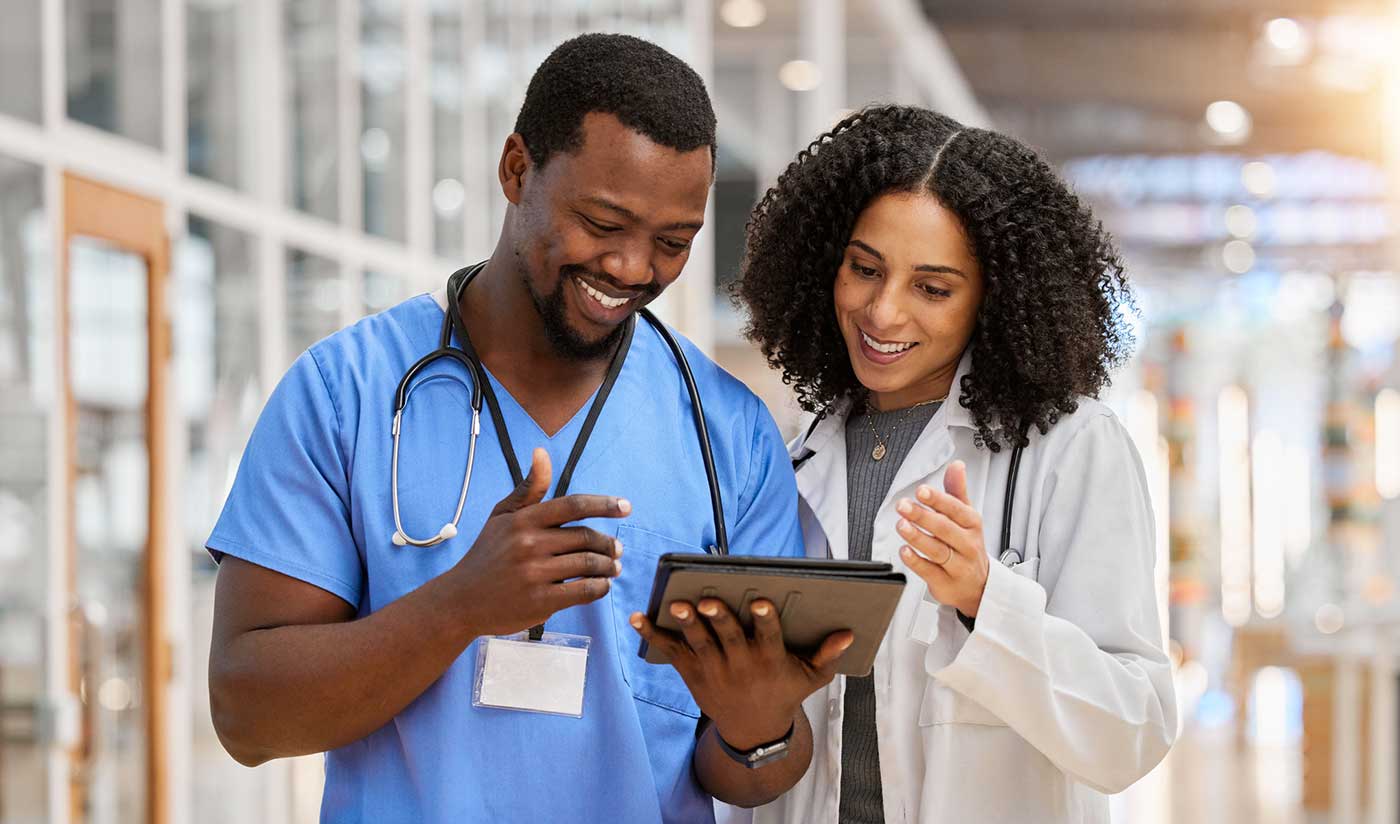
<point>939,298</point>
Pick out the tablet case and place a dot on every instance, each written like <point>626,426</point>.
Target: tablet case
<point>814,596</point>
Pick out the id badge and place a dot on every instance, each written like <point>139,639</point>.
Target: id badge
<point>548,675</point>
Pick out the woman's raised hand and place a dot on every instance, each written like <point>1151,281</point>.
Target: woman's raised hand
<point>944,544</point>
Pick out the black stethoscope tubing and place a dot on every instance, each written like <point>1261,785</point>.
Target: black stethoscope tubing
<point>456,283</point>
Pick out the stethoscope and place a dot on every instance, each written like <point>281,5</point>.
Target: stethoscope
<point>1007,555</point>
<point>481,390</point>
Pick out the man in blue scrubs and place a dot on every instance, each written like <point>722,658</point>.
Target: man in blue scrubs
<point>329,636</point>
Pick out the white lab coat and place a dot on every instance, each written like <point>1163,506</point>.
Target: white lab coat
<point>1063,692</point>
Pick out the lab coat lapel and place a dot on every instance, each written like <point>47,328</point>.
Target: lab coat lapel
<point>821,480</point>
<point>934,448</point>
<point>927,457</point>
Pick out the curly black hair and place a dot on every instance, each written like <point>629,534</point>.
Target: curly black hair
<point>646,87</point>
<point>1049,328</point>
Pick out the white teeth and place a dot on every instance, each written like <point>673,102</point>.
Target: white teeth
<point>885,348</point>
<point>607,302</point>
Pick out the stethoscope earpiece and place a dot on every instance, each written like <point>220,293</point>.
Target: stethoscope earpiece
<point>399,539</point>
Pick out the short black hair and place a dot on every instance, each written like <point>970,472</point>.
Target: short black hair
<point>1049,328</point>
<point>650,90</point>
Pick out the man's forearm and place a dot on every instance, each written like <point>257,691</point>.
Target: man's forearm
<point>734,783</point>
<point>299,689</point>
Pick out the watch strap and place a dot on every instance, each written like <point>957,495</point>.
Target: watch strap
<point>762,754</point>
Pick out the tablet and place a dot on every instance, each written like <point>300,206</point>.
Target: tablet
<point>814,596</point>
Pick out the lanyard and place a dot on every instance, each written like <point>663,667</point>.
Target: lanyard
<point>561,488</point>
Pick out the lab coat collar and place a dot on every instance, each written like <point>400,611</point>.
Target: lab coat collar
<point>834,422</point>
<point>935,447</point>
<point>929,454</point>
<point>957,414</point>
<point>829,434</point>
<point>821,480</point>
<point>818,438</point>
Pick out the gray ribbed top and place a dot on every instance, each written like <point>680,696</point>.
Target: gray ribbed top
<point>867,483</point>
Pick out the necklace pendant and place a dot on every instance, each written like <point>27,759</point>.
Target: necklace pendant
<point>878,453</point>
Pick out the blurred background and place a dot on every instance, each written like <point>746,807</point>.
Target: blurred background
<point>192,191</point>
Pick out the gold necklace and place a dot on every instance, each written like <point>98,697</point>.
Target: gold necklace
<point>879,452</point>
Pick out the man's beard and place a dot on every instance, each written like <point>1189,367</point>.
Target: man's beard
<point>566,339</point>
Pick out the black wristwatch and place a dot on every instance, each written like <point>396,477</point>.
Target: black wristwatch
<point>763,754</point>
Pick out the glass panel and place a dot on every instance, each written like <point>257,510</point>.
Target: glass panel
<point>382,290</point>
<point>107,363</point>
<point>382,141</point>
<point>219,93</point>
<point>25,398</point>
<point>217,340</point>
<point>312,157</point>
<point>112,52</point>
<point>496,78</point>
<point>735,193</point>
<point>447,92</point>
<point>313,300</point>
<point>217,335</point>
<point>20,72</point>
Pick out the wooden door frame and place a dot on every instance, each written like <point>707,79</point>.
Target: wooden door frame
<point>135,224</point>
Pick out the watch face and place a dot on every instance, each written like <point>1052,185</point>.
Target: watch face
<point>769,754</point>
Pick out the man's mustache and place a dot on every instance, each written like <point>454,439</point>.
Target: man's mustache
<point>646,290</point>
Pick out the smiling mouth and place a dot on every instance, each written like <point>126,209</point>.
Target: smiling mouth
<point>885,348</point>
<point>601,298</point>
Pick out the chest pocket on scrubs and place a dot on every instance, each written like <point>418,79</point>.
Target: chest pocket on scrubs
<point>657,684</point>
<point>945,705</point>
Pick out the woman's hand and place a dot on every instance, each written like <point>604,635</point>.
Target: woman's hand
<point>945,546</point>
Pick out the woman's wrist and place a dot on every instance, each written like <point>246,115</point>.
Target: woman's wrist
<point>974,605</point>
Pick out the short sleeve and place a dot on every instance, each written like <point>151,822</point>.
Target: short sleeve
<point>767,521</point>
<point>289,509</point>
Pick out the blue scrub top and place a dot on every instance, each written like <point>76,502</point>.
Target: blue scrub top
<point>311,500</point>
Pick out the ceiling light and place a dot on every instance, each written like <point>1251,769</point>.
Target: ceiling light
<point>743,14</point>
<point>1284,34</point>
<point>115,695</point>
<point>1258,178</point>
<point>1285,42</point>
<point>1238,256</point>
<point>448,196</point>
<point>1240,221</point>
<point>800,75</point>
<point>1228,120</point>
<point>1328,619</point>
<point>375,147</point>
